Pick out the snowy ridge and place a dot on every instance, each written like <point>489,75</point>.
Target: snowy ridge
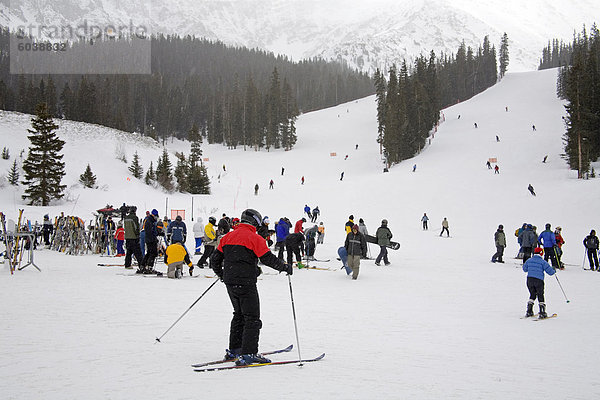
<point>366,35</point>
<point>440,322</point>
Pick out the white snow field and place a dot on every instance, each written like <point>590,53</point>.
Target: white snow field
<point>441,321</point>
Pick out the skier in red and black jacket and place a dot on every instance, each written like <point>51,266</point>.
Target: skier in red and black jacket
<point>235,261</point>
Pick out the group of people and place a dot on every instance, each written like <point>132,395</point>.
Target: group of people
<point>528,239</point>
<point>312,215</point>
<point>356,243</point>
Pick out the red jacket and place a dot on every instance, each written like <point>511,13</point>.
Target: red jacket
<point>120,233</point>
<point>298,226</point>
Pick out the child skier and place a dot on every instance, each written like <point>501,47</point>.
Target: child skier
<point>535,268</point>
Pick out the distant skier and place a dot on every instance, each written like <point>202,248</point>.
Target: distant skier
<point>315,214</point>
<point>496,169</point>
<point>271,184</point>
<point>488,164</point>
<point>591,245</point>
<point>282,171</point>
<point>321,235</point>
<point>475,125</point>
<point>506,108</point>
<point>458,116</point>
<point>545,158</point>
<point>345,158</point>
<point>531,190</point>
<point>302,180</point>
<point>533,128</point>
<point>356,148</point>
<point>497,138</point>
<point>307,210</point>
<point>224,167</point>
<point>535,268</point>
<point>342,176</point>
<point>414,167</point>
<point>256,189</point>
<point>425,220</point>
<point>500,242</point>
<point>445,226</point>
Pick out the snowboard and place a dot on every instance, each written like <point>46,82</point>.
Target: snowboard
<point>373,239</point>
<point>343,253</point>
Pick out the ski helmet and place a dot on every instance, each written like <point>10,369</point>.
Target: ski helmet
<point>155,212</point>
<point>212,220</point>
<point>548,226</point>
<point>500,226</point>
<point>251,217</point>
<point>384,222</point>
<point>178,218</point>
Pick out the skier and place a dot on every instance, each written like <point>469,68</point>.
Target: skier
<point>131,224</point>
<point>236,262</point>
<point>414,167</point>
<point>496,169</point>
<point>302,180</point>
<point>488,164</point>
<point>362,228</point>
<point>311,235</point>
<point>47,229</point>
<point>120,238</point>
<point>294,243</point>
<point>500,242</point>
<point>271,184</point>
<point>151,239</point>
<point>535,268</point>
<point>282,230</point>
<point>559,242</point>
<point>591,245</point>
<point>545,158</point>
<point>321,235</point>
<point>497,138</point>
<point>475,125</point>
<point>356,246</point>
<point>256,189</point>
<point>175,256</point>
<point>143,235</point>
<point>282,171</point>
<point>315,214</point>
<point>342,176</point>
<point>345,158</point>
<point>383,235</point>
<point>198,229</point>
<point>307,210</point>
<point>518,232</point>
<point>548,239</point>
<point>224,225</point>
<point>210,241</point>
<point>177,230</point>
<point>298,227</point>
<point>530,188</point>
<point>445,227</point>
<point>424,220</point>
<point>533,127</point>
<point>349,224</point>
<point>528,241</point>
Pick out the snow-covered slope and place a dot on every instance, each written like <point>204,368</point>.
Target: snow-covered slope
<point>440,322</point>
<point>364,34</point>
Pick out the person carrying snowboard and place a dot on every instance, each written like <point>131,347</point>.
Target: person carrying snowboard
<point>535,268</point>
<point>383,236</point>
<point>235,262</point>
<point>591,246</point>
<point>500,242</point>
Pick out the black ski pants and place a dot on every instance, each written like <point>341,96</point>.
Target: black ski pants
<point>499,254</point>
<point>536,289</point>
<point>151,254</point>
<point>208,250</point>
<point>593,258</point>
<point>291,250</point>
<point>549,253</point>
<point>526,253</point>
<point>245,324</point>
<point>133,249</point>
<point>281,247</point>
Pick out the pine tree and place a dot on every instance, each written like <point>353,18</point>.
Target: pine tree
<point>196,142</point>
<point>164,176</point>
<point>380,88</point>
<point>197,180</point>
<point>43,167</point>
<point>504,59</point>
<point>88,179</point>
<point>135,168</point>
<point>182,171</point>
<point>5,153</point>
<point>13,174</point>
<point>150,175</point>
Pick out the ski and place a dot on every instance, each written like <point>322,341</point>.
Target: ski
<point>531,316</point>
<point>287,349</point>
<point>548,317</point>
<point>111,265</point>
<point>315,260</point>
<point>260,365</point>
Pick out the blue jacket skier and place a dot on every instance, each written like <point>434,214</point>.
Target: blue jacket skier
<point>535,268</point>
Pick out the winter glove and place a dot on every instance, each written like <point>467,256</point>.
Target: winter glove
<point>288,269</point>
<point>270,242</point>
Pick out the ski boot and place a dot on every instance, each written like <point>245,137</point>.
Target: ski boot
<point>232,354</point>
<point>543,311</point>
<point>300,265</point>
<point>247,359</point>
<point>191,270</point>
<point>529,312</point>
<point>178,274</point>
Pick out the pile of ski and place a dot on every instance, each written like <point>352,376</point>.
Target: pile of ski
<point>209,366</point>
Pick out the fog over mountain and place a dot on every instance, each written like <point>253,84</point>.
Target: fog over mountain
<point>364,34</point>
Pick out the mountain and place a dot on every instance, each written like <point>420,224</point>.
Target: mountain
<point>366,35</point>
<point>440,322</point>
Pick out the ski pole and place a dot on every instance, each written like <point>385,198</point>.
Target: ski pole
<point>295,323</point>
<point>186,311</point>
<point>561,288</point>
<point>583,261</point>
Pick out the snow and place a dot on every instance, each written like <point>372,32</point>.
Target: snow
<point>440,322</point>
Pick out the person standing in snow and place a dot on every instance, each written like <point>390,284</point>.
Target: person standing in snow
<point>210,241</point>
<point>224,225</point>
<point>528,241</point>
<point>349,224</point>
<point>235,262</point>
<point>591,245</point>
<point>342,176</point>
<point>414,167</point>
<point>302,180</point>
<point>356,247</point>
<point>256,189</point>
<point>445,227</point>
<point>531,190</point>
<point>548,239</point>
<point>198,229</point>
<point>151,239</point>
<point>559,242</point>
<point>131,224</point>
<point>496,169</point>
<point>282,171</point>
<point>535,268</point>
<point>488,164</point>
<point>383,235</point>
<point>311,236</point>
<point>177,230</point>
<point>120,238</point>
<point>47,229</point>
<point>315,214</point>
<point>282,230</point>
<point>294,243</point>
<point>271,184</point>
<point>321,235</point>
<point>362,228</point>
<point>500,242</point>
<point>424,220</point>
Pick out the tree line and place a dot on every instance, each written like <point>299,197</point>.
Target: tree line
<point>234,95</point>
<point>409,101</point>
<point>579,84</point>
